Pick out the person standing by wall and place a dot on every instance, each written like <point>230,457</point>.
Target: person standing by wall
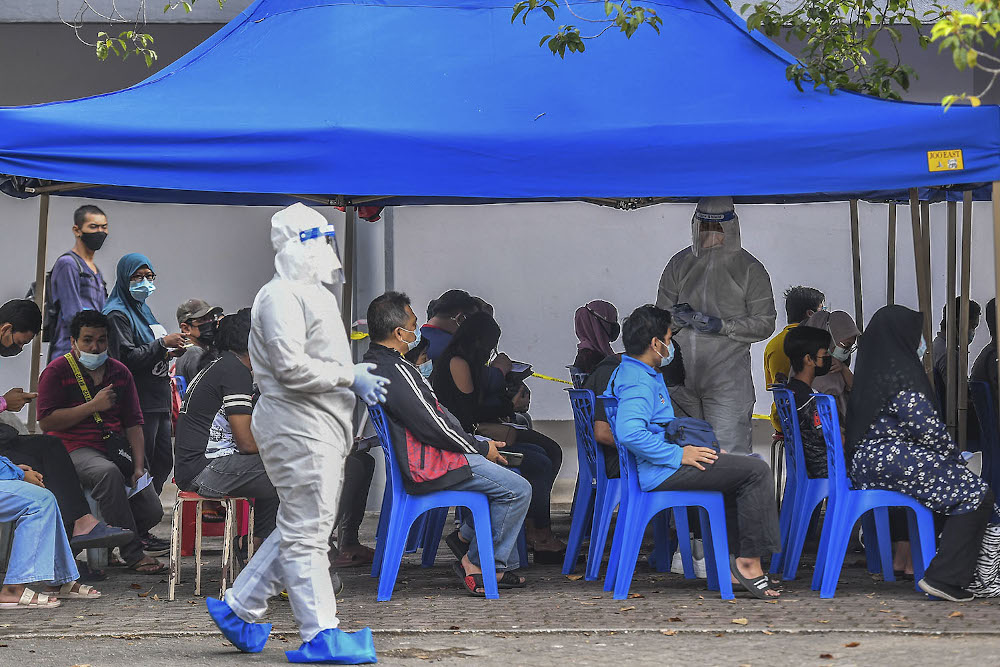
<point>76,282</point>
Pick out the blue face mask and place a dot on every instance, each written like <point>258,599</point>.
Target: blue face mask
<point>416,341</point>
<point>665,361</point>
<point>426,368</point>
<point>922,349</point>
<point>92,361</point>
<point>141,290</point>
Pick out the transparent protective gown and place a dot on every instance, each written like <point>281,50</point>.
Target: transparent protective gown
<point>727,282</point>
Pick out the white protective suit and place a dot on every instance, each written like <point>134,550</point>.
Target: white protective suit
<point>729,283</point>
<point>302,423</point>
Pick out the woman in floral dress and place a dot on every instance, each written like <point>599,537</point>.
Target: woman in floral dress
<point>897,441</point>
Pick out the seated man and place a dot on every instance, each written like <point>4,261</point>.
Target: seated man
<point>21,320</point>
<point>745,482</point>
<point>808,348</point>
<point>198,321</point>
<point>435,453</point>
<point>801,303</point>
<point>90,403</point>
<point>216,454</point>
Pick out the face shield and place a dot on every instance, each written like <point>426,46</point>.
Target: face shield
<point>320,244</point>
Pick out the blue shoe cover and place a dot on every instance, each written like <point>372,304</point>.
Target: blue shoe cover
<point>334,646</point>
<point>247,637</point>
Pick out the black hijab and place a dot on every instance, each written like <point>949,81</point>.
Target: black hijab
<point>887,364</point>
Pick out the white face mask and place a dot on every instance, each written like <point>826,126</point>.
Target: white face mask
<point>92,361</point>
<point>426,368</point>
<point>841,354</point>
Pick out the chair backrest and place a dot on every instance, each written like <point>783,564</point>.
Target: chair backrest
<point>986,410</point>
<point>626,459</point>
<point>589,454</point>
<point>381,424</point>
<point>577,376</point>
<point>784,400</point>
<point>826,407</point>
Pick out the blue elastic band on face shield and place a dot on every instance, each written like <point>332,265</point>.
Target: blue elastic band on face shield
<point>715,217</point>
<point>314,233</point>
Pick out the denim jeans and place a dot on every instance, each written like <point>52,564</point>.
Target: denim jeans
<point>509,495</point>
<point>41,550</point>
<point>241,475</point>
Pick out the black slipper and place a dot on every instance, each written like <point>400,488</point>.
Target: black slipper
<point>758,586</point>
<point>901,575</point>
<point>457,546</point>
<point>472,582</point>
<point>511,580</point>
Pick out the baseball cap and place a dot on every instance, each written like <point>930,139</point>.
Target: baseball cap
<point>194,309</point>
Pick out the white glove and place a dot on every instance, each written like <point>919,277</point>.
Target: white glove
<point>370,388</point>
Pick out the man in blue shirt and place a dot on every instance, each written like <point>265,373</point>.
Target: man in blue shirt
<point>644,408</point>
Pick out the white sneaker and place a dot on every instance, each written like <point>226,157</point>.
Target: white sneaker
<point>677,566</point>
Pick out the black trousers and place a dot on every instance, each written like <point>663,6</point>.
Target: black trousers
<point>958,549</point>
<point>156,431</point>
<point>748,490</point>
<point>47,455</point>
<point>358,470</point>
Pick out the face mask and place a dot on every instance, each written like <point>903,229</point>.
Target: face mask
<point>922,349</point>
<point>91,361</point>
<point>426,368</point>
<point>825,368</point>
<point>416,341</point>
<point>206,332</point>
<point>665,360</point>
<point>94,240</point>
<point>841,355</point>
<point>10,350</point>
<point>141,290</point>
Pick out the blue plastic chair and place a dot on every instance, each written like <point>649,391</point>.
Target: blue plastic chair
<point>989,431</point>
<point>182,385</point>
<point>846,505</point>
<point>404,509</point>
<point>641,506</point>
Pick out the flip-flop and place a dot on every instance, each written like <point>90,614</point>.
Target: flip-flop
<point>758,586</point>
<point>354,559</point>
<point>102,535</point>
<point>511,580</point>
<point>158,570</point>
<point>457,546</point>
<point>470,581</point>
<point>44,601</point>
<point>66,592</point>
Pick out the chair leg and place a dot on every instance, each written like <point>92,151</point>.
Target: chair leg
<point>684,541</point>
<point>805,509</point>
<point>719,551</point>
<point>660,558</point>
<point>711,566</point>
<point>871,543</point>
<point>922,539</point>
<point>584,506</point>
<point>522,548</point>
<point>784,525</point>
<point>484,540</point>
<point>381,531</point>
<point>637,521</point>
<point>433,530</point>
<point>604,508</point>
<point>227,544</point>
<point>837,548</point>
<point>250,524</point>
<point>881,517</point>
<point>392,555</point>
<point>824,545</point>
<point>616,546</point>
<point>197,547</point>
<point>175,551</point>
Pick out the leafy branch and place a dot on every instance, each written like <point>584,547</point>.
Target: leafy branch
<point>967,35</point>
<point>625,16</point>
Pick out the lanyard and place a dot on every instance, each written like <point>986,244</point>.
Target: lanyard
<point>83,388</point>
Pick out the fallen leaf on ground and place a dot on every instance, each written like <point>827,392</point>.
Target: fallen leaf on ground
<point>826,656</point>
<point>635,596</point>
<point>629,608</point>
<point>588,603</point>
<point>767,632</point>
<point>822,621</point>
<point>574,577</point>
<point>885,611</point>
<point>740,621</point>
<point>669,633</point>
<point>454,627</point>
<point>956,614</point>
<point>155,596</point>
<point>731,601</point>
<point>675,619</point>
<point>142,595</point>
<point>135,587</point>
<point>852,645</point>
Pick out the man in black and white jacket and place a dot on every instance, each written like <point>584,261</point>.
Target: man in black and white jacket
<point>433,451</point>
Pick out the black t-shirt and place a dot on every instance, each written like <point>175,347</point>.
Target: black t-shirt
<point>597,382</point>
<point>222,389</point>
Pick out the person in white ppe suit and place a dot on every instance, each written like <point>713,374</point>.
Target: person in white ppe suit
<point>721,299</point>
<point>302,424</point>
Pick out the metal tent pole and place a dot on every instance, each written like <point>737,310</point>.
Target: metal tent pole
<point>918,264</point>
<point>890,280</point>
<point>389,230</point>
<point>925,306</point>
<point>951,375</point>
<point>347,301</point>
<point>36,343</point>
<point>859,311</point>
<point>963,319</point>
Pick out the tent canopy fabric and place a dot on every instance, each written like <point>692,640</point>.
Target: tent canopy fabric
<point>424,101</point>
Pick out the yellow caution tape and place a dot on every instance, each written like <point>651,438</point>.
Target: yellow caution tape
<point>358,335</point>
<point>549,378</point>
<point>767,417</point>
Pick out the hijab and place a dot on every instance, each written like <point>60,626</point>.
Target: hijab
<point>596,326</point>
<point>121,299</point>
<point>887,364</point>
<point>841,327</point>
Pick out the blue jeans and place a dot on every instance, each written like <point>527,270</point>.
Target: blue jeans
<point>41,550</point>
<point>509,495</point>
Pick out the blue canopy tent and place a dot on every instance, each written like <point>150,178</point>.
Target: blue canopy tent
<point>388,102</point>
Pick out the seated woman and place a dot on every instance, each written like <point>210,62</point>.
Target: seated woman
<point>596,326</point>
<point>839,381</point>
<point>40,551</point>
<point>897,441</point>
<point>460,380</point>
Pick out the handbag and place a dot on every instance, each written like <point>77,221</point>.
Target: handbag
<point>117,445</point>
<point>690,432</point>
<point>498,431</point>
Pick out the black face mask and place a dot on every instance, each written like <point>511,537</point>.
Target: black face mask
<point>11,350</point>
<point>825,368</point>
<point>206,333</point>
<point>94,240</point>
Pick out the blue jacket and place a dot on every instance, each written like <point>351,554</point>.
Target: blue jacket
<point>644,404</point>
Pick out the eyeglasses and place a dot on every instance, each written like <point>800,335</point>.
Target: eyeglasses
<point>143,276</point>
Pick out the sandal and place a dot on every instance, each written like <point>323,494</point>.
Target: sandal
<point>758,586</point>
<point>473,582</point>
<point>42,601</point>
<point>156,567</point>
<point>457,546</point>
<point>511,580</point>
<point>355,558</point>
<point>83,591</point>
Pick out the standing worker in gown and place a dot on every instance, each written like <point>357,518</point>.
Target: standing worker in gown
<point>302,424</point>
<point>721,300</point>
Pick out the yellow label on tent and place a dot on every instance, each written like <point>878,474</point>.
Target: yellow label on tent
<point>945,160</point>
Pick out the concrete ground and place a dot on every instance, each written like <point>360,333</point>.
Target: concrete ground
<point>667,620</point>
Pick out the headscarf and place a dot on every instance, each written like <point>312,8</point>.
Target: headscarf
<point>595,326</point>
<point>887,364</point>
<point>841,327</point>
<point>122,300</point>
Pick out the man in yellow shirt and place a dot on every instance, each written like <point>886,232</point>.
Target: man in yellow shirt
<point>801,303</point>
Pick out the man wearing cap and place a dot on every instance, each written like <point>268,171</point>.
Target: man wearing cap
<point>721,300</point>
<point>197,320</point>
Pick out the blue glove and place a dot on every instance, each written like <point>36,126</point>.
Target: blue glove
<point>706,323</point>
<point>682,313</point>
<point>369,388</point>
